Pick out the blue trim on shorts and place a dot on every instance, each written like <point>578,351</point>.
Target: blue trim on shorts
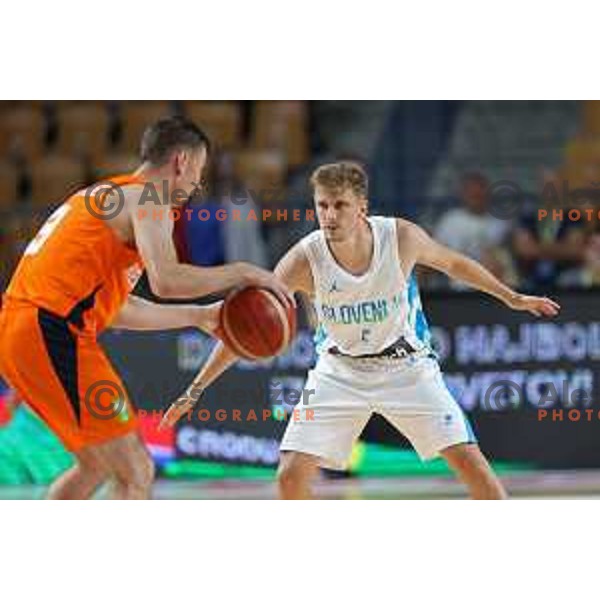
<point>471,437</point>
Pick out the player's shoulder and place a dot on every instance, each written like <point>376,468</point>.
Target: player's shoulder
<point>407,230</point>
<point>134,193</point>
<point>298,252</point>
<point>309,245</point>
<point>295,268</point>
<point>306,246</point>
<point>310,238</point>
<point>112,186</point>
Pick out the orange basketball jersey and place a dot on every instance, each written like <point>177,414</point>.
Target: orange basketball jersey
<point>76,267</point>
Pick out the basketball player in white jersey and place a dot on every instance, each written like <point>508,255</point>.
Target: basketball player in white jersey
<point>372,338</point>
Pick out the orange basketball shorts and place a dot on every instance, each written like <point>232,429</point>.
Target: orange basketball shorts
<point>64,375</point>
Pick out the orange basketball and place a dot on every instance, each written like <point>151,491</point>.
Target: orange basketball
<point>256,324</point>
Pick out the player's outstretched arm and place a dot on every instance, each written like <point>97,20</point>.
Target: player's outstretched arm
<point>219,360</point>
<point>294,271</point>
<point>462,268</point>
<point>139,314</point>
<point>170,279</point>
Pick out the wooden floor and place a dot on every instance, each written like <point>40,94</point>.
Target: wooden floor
<point>582,484</point>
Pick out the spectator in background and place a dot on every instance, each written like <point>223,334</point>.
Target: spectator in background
<point>203,238</point>
<point>588,273</point>
<point>14,234</point>
<point>544,248</point>
<point>5,260</point>
<point>214,242</point>
<point>243,239</point>
<point>471,230</point>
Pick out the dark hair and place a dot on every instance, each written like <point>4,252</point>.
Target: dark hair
<point>169,134</point>
<point>474,177</point>
<point>341,176</point>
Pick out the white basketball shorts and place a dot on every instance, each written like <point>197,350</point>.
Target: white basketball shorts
<point>340,397</point>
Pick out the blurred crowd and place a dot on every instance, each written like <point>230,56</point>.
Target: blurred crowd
<point>534,245</point>
<point>49,148</point>
<point>264,152</point>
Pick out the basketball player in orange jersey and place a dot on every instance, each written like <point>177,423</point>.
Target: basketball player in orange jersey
<point>74,280</point>
<point>372,339</point>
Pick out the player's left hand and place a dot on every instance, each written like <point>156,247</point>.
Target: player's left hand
<point>180,407</point>
<point>536,305</point>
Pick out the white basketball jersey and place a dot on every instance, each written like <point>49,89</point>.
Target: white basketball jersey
<point>364,314</point>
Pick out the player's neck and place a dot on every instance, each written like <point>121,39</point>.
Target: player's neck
<point>355,253</point>
<point>157,178</point>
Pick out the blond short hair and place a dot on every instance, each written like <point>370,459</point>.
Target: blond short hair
<point>340,176</point>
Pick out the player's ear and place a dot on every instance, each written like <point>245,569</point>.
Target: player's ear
<point>179,162</point>
<point>364,207</point>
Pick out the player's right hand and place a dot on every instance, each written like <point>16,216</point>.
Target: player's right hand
<point>255,276</point>
<point>537,305</point>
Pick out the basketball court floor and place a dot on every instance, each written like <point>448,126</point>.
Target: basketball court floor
<point>539,485</point>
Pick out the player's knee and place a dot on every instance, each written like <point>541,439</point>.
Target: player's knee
<point>137,471</point>
<point>287,483</point>
<point>290,476</point>
<point>96,473</point>
<point>90,467</point>
<point>145,472</point>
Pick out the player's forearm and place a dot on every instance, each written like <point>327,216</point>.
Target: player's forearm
<point>139,314</point>
<point>220,359</point>
<point>188,281</point>
<point>477,276</point>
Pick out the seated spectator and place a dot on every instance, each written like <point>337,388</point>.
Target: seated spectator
<point>204,238</point>
<point>217,240</point>
<point>244,239</point>
<point>544,248</point>
<point>470,229</point>
<point>4,260</point>
<point>211,242</point>
<point>10,251</point>
<point>588,274</point>
<point>500,262</point>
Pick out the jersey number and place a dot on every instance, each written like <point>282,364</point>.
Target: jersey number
<point>49,226</point>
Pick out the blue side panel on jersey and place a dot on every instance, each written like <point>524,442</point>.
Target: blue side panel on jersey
<point>320,338</point>
<point>421,327</point>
